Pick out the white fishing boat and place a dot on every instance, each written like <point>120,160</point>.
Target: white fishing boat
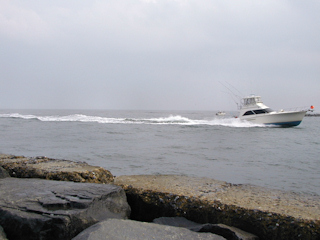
<point>220,113</point>
<point>254,110</point>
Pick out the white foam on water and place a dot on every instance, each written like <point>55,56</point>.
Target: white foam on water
<point>170,120</point>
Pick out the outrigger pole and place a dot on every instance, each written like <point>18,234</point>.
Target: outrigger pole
<point>236,98</point>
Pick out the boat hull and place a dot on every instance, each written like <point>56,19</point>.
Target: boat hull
<point>283,119</point>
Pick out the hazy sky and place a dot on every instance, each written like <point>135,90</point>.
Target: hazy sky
<point>158,54</point>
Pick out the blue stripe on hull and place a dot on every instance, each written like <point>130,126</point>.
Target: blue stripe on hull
<point>286,124</point>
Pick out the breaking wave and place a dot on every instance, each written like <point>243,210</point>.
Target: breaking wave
<point>170,120</point>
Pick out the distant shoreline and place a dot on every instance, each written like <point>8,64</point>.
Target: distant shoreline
<point>313,115</point>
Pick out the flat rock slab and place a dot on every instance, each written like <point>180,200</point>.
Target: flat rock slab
<point>54,169</point>
<point>115,229</point>
<point>43,209</point>
<point>267,213</point>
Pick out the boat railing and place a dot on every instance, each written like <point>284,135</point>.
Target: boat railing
<point>296,109</point>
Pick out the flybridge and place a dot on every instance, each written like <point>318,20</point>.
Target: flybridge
<point>252,100</point>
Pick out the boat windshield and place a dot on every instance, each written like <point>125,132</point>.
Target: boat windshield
<point>269,110</point>
<point>258,111</point>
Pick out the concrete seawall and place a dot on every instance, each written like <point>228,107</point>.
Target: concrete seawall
<point>267,213</point>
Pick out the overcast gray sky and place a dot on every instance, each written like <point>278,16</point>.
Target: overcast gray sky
<point>158,54</point>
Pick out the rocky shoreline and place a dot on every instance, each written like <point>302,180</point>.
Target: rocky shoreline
<point>74,205</point>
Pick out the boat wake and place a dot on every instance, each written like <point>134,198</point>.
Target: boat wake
<point>170,120</point>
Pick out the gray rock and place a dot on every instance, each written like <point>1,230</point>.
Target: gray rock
<point>115,229</point>
<point>230,233</point>
<point>2,234</point>
<point>44,209</point>
<point>3,173</point>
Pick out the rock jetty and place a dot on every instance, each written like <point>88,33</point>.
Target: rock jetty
<point>34,208</point>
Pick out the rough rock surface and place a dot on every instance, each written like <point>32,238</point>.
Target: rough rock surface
<point>3,173</point>
<point>115,229</point>
<point>54,169</point>
<point>269,214</point>
<point>42,209</point>
<point>230,233</point>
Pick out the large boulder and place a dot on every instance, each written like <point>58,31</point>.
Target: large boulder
<point>54,169</point>
<point>42,209</point>
<point>115,229</point>
<point>267,213</point>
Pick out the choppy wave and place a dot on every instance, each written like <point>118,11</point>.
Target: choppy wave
<point>170,120</point>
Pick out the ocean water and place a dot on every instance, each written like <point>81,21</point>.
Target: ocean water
<point>174,142</point>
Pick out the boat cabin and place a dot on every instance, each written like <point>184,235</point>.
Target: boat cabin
<point>254,105</point>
